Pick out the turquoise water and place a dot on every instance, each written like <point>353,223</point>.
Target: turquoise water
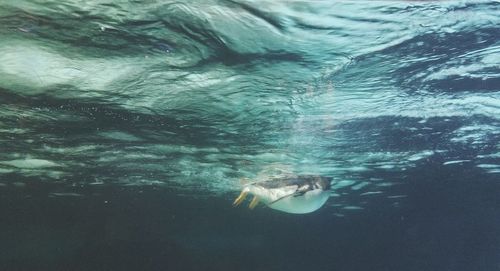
<point>127,126</point>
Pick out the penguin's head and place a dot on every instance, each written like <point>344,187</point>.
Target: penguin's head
<point>324,183</point>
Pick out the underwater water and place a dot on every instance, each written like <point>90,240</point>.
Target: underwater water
<point>126,128</point>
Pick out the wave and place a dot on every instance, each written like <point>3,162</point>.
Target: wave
<point>199,95</point>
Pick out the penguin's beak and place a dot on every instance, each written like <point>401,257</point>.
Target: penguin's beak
<point>240,198</point>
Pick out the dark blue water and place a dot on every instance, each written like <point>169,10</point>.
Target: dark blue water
<point>126,128</point>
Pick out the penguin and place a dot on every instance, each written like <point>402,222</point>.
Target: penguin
<point>296,194</point>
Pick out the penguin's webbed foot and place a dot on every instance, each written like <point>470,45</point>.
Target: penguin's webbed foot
<point>240,198</point>
<point>254,202</point>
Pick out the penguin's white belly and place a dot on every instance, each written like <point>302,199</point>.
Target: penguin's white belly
<point>302,204</point>
<point>297,194</point>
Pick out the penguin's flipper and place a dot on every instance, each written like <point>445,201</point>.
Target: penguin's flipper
<point>240,198</point>
<point>299,192</point>
<point>254,202</point>
<point>294,194</point>
<point>302,190</point>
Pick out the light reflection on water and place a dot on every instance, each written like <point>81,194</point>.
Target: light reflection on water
<point>200,95</point>
<point>127,128</point>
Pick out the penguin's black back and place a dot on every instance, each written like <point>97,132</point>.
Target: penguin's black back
<point>311,181</point>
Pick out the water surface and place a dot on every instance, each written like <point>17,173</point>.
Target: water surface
<point>126,126</point>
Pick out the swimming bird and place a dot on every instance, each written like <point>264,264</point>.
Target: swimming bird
<point>291,194</point>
